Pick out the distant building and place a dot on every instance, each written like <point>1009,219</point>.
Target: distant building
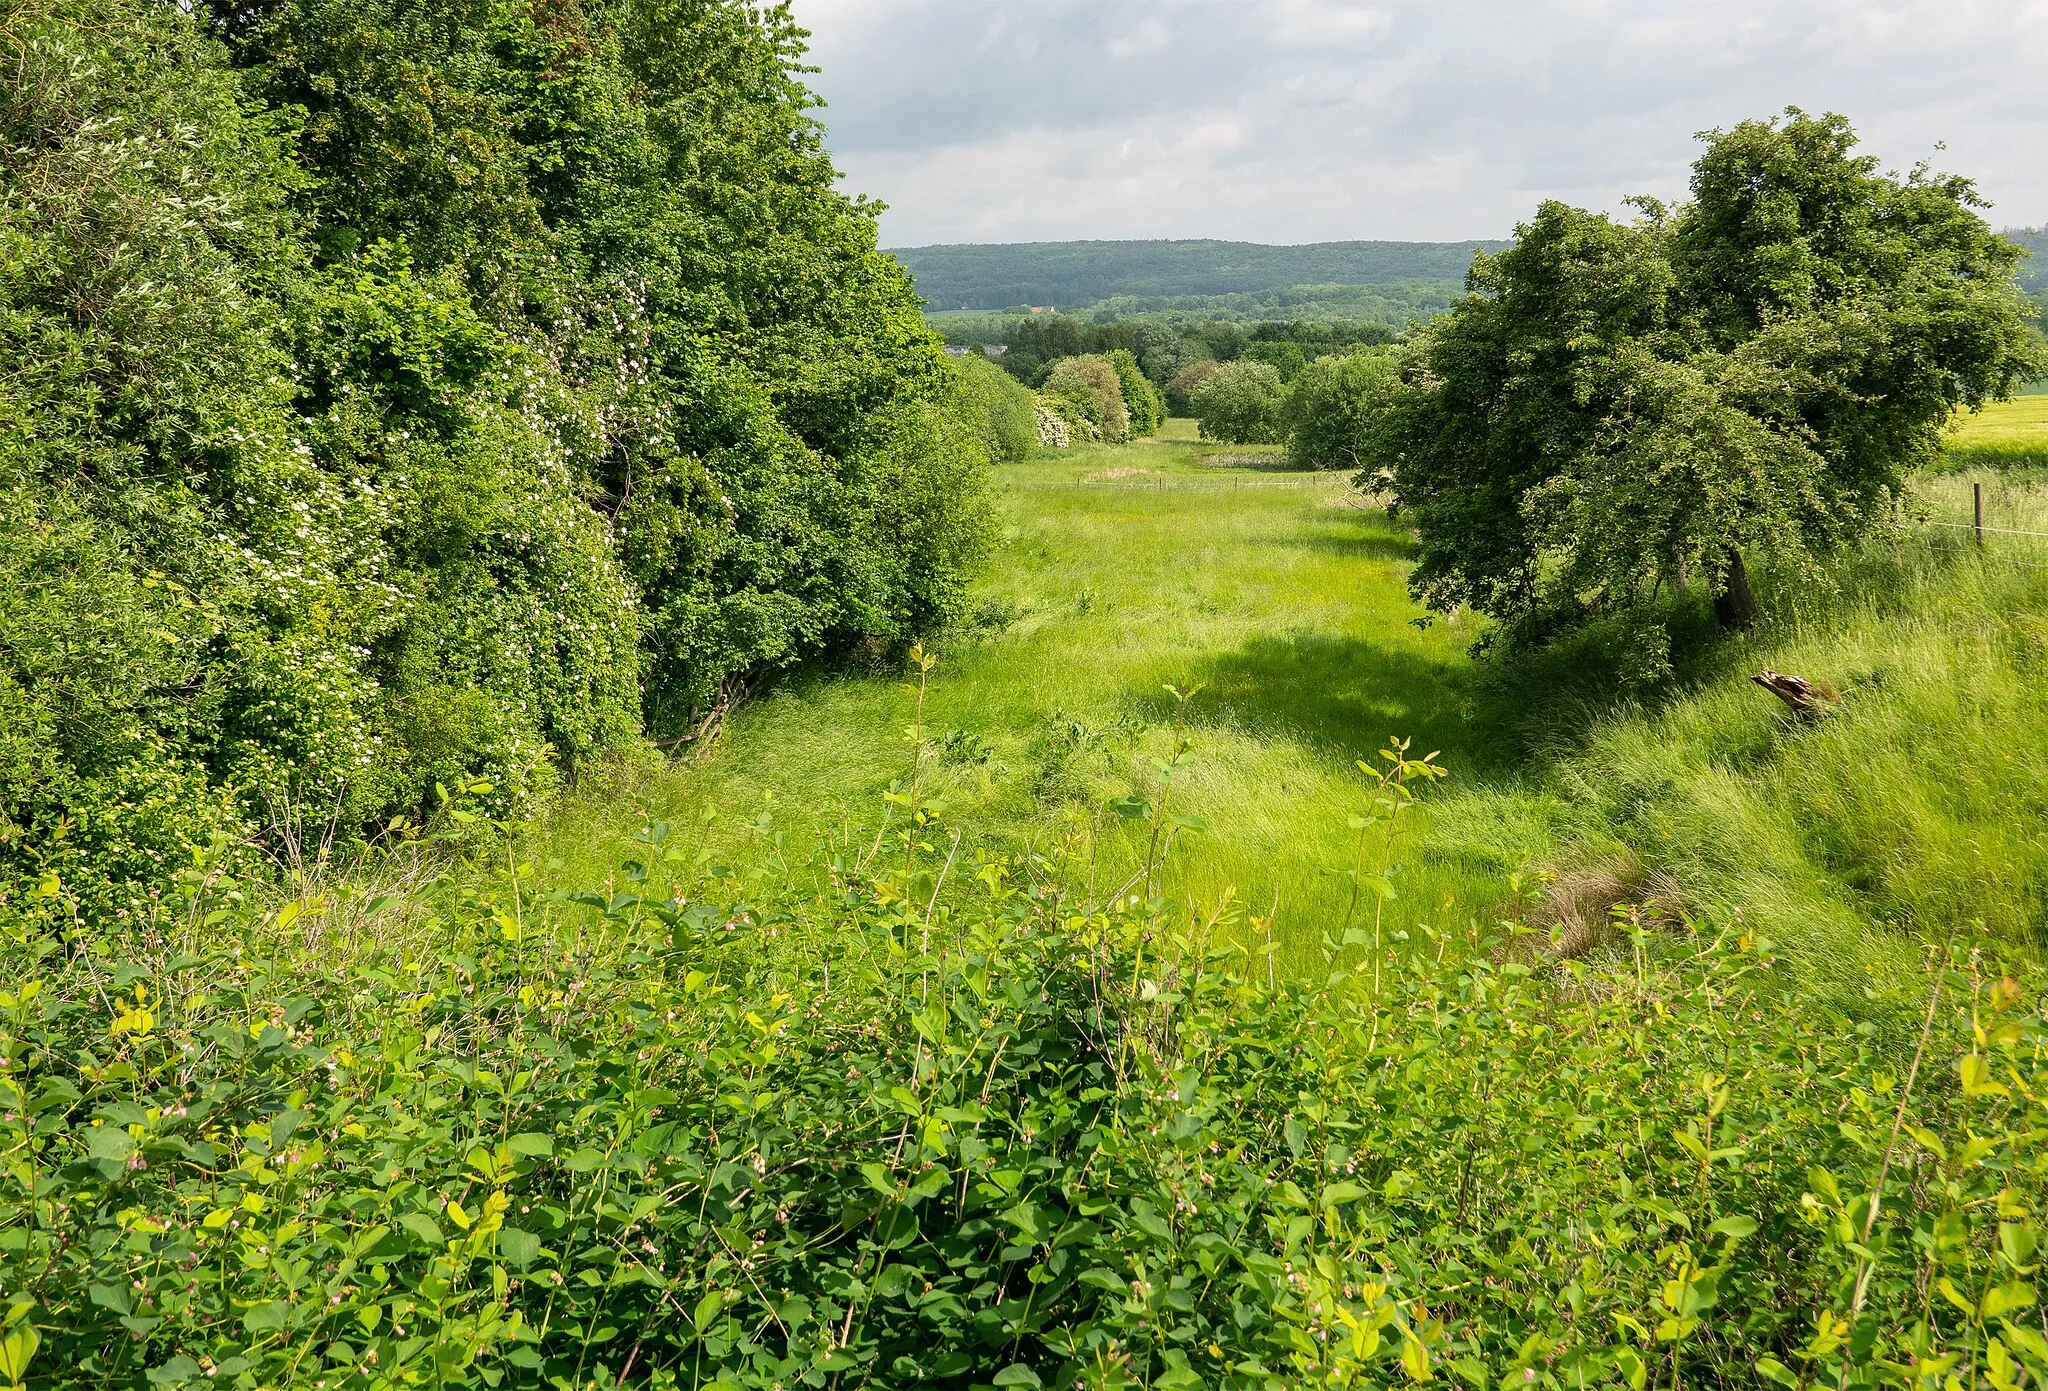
<point>995,349</point>
<point>956,350</point>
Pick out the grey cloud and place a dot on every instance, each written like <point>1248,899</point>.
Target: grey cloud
<point>1297,120</point>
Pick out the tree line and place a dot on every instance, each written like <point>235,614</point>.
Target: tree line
<point>1623,415</point>
<point>405,395</point>
<point>1086,273</point>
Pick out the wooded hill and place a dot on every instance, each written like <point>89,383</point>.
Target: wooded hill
<point>1080,273</point>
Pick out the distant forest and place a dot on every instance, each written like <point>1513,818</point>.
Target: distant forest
<point>2032,273</point>
<point>1081,274</point>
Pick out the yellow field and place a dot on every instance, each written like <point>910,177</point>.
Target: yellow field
<point>2023,420</point>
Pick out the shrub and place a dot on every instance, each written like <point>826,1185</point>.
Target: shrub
<point>1142,400</point>
<point>999,408</point>
<point>1180,391</point>
<point>364,433</point>
<point>1061,424</point>
<point>1240,403</point>
<point>1330,405</point>
<point>767,1128</point>
<point>1090,383</point>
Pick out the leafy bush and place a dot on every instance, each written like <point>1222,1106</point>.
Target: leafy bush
<point>1091,385</point>
<point>1142,400</point>
<point>1240,403</point>
<point>999,408</point>
<point>374,431</point>
<point>1180,392</point>
<point>1061,425</point>
<point>764,1127</point>
<point>1330,405</point>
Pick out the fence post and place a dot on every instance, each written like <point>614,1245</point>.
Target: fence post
<point>1977,495</point>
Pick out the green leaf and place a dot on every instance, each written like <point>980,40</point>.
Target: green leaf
<point>707,1310</point>
<point>112,1297</point>
<point>1737,1226</point>
<point>179,1368</point>
<point>1771,1369</point>
<point>265,1318</point>
<point>1017,1374</point>
<point>533,1145</point>
<point>519,1248</point>
<point>2002,1299</point>
<point>422,1226</point>
<point>1148,1220</point>
<point>110,1143</point>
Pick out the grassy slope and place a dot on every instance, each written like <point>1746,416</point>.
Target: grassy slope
<point>1919,807</point>
<point>1123,570</point>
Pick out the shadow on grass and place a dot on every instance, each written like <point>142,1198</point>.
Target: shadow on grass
<point>1347,695</point>
<point>1351,541</point>
<point>1231,457</point>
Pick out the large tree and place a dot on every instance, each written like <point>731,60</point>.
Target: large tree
<point>1617,408</point>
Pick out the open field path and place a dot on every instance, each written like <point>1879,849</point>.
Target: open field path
<point>1279,595</point>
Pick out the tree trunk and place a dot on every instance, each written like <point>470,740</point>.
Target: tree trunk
<point>1734,603</point>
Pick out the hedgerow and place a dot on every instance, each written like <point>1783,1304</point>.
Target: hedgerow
<point>826,1122</point>
<point>404,394</point>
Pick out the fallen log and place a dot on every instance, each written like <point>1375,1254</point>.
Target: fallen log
<point>1805,697</point>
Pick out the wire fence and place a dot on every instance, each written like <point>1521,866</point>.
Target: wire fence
<point>1984,535</point>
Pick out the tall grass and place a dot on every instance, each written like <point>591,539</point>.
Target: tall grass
<point>1274,594</point>
<point>1914,807</point>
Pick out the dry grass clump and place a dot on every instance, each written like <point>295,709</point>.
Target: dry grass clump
<point>1577,908</point>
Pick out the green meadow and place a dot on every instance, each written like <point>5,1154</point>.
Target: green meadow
<point>1277,600</point>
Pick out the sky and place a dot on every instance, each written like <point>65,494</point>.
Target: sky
<point>1430,120</point>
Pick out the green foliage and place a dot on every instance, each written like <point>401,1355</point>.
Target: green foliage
<point>411,393</point>
<point>1180,392</point>
<point>1378,313</point>
<point>762,1125</point>
<point>1285,358</point>
<point>999,409</point>
<point>1092,386</point>
<point>1143,402</point>
<point>1330,406</point>
<point>1620,409</point>
<point>1240,403</point>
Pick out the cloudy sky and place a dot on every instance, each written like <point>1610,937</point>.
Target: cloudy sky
<point>1313,120</point>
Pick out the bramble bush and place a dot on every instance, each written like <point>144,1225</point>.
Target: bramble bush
<point>876,1116</point>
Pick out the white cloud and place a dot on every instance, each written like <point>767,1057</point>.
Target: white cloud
<point>1301,120</point>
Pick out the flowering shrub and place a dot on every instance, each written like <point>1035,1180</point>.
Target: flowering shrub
<point>366,431</point>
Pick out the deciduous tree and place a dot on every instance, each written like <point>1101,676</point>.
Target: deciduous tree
<point>1618,408</point>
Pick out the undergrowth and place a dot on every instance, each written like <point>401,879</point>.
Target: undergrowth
<point>813,1121</point>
